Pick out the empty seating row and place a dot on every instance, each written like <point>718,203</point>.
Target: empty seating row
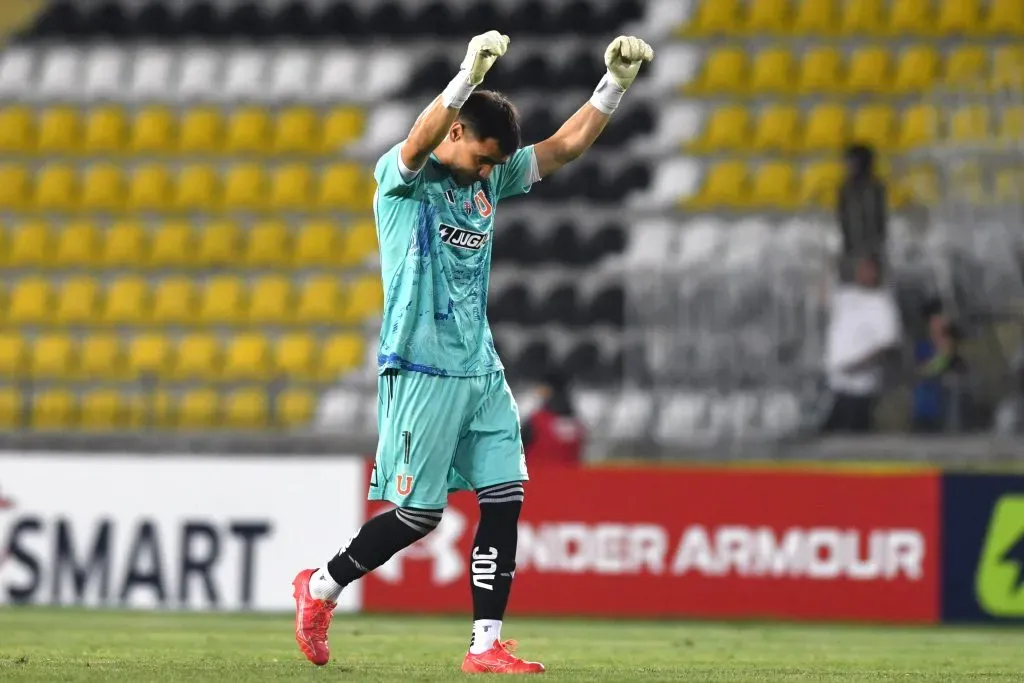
<point>106,409</point>
<point>180,300</point>
<point>154,187</point>
<point>564,244</point>
<point>251,356</point>
<point>561,305</point>
<point>159,130</point>
<point>874,18</point>
<point>874,69</point>
<point>180,244</point>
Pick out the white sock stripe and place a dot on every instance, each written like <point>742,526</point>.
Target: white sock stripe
<point>509,499</point>
<point>418,528</point>
<point>422,526</point>
<point>420,516</point>
<point>501,488</point>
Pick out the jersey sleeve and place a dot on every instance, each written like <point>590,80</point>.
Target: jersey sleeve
<point>518,173</point>
<point>391,182</point>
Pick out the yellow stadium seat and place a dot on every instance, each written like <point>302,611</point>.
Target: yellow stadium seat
<point>318,244</point>
<point>198,357</point>
<point>153,131</point>
<point>966,184</point>
<point>918,126</point>
<point>174,301</point>
<point>78,302</point>
<point>53,409</point>
<point>1005,17</point>
<point>246,408</point>
<point>103,188</point>
<point>220,244</point>
<point>1009,185</point>
<point>875,124</point>
<point>1011,124</point>
<point>201,131</point>
<point>173,245</point>
<point>767,17</point>
<point>106,130</point>
<point>222,301</point>
<point>820,70</point>
<point>296,131</point>
<point>101,357</point>
<point>915,186</point>
<point>31,245</point>
<point>319,300</point>
<point>17,130</point>
<point>969,124</point>
<point>56,188</point>
<point>910,18</point>
<point>776,129</point>
<point>13,354</point>
<point>360,243</point>
<point>103,410</point>
<point>248,131</point>
<point>11,408</point>
<point>364,299</point>
<point>294,407</point>
<point>294,355</point>
<point>245,188</point>
<point>815,18</point>
<point>725,185</point>
<point>773,71</point>
<point>826,128</point>
<point>14,187</point>
<point>724,71</point>
<point>269,244</point>
<point>714,18</point>
<point>125,245</point>
<point>341,188</point>
<point>819,184</point>
<point>149,188</point>
<point>53,357</point>
<point>270,300</point>
<point>774,185</point>
<point>247,357</point>
<point>148,355</point>
<point>341,126</point>
<point>916,69</point>
<point>341,354</point>
<point>291,188</point>
<point>861,17</point>
<point>198,188</point>
<point>60,131</point>
<point>1008,67</point>
<point>127,301</point>
<point>77,245</point>
<point>869,70</point>
<point>198,409</point>
<point>965,67</point>
<point>958,17</point>
<point>727,129</point>
<point>31,301</point>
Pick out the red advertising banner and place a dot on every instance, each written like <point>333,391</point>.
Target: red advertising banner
<point>694,543</point>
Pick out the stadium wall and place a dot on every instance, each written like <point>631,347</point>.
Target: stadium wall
<point>815,544</point>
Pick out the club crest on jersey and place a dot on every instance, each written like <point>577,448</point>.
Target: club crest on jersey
<point>467,206</point>
<point>465,239</point>
<point>482,205</point>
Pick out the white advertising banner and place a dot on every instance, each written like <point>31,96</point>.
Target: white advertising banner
<point>175,532</point>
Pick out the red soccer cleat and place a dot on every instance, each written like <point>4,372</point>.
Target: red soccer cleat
<point>500,660</point>
<point>312,619</point>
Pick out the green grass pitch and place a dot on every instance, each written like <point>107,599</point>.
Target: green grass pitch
<point>72,645</point>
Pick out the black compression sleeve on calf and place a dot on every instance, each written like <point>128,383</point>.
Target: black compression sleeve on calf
<point>493,561</point>
<point>379,539</point>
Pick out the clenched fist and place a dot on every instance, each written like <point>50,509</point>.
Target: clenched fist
<point>483,51</point>
<point>623,58</point>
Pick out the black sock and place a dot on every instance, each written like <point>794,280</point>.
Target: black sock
<point>493,560</point>
<point>378,540</point>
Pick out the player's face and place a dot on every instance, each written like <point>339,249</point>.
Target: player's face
<point>475,159</point>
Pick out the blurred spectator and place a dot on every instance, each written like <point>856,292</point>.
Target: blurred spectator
<point>861,209</point>
<point>938,396</point>
<point>553,435</point>
<point>864,329</point>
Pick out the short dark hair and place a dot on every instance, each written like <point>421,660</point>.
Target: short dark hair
<point>489,114</point>
<point>863,155</point>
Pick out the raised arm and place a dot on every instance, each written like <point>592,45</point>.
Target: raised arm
<point>433,124</point>
<point>623,58</point>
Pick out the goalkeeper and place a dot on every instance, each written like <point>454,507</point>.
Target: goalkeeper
<point>446,417</point>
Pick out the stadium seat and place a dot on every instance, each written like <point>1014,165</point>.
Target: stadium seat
<point>149,356</point>
<point>59,131</point>
<point>103,188</point>
<point>149,188</point>
<point>363,300</point>
<point>969,124</point>
<point>776,129</point>
<point>725,70</point>
<point>270,300</point>
<point>861,17</point>
<point>725,185</point>
<point>341,127</point>
<point>198,409</point>
<point>774,186</point>
<point>965,67</point>
<point>772,71</point>
<point>820,68</point>
<point>11,408</point>
<point>100,357</point>
<point>173,245</point>
<point>220,244</point>
<point>14,187</point>
<point>341,188</point>
<point>78,301</point>
<point>319,301</point>
<point>31,245</point>
<point>56,188</point>
<point>294,355</point>
<point>269,245</point>
<point>1004,17</point>
<point>222,301</point>
<point>918,126</point>
<point>247,357</point>
<point>153,131</point>
<point>958,17</point>
<point>869,71</point>
<point>359,243</point>
<point>245,188</point>
<point>917,185</point>
<point>248,131</point>
<point>815,18</point>
<point>293,408</point>
<point>727,129</point>
<point>13,353</point>
<point>53,409</point>
<point>53,357</point>
<point>318,244</point>
<point>105,410</point>
<point>714,18</point>
<point>1009,186</point>
<point>915,70</point>
<point>17,130</point>
<point>1011,124</point>
<point>198,357</point>
<point>30,301</point>
<point>78,245</point>
<point>910,18</point>
<point>105,131</point>
<point>1008,67</point>
<point>124,245</point>
<point>819,184</point>
<point>826,128</point>
<point>201,131</point>
<point>875,124</point>
<point>291,188</point>
<point>174,301</point>
<point>341,354</point>
<point>767,17</point>
<point>126,301</point>
<point>296,131</point>
<point>246,409</point>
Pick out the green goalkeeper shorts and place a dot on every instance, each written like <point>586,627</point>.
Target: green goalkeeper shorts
<point>442,434</point>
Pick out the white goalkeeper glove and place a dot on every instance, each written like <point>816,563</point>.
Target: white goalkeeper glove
<point>623,58</point>
<point>481,54</point>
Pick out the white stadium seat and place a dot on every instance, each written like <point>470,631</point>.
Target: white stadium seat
<point>104,72</point>
<point>680,418</point>
<point>151,73</point>
<point>630,415</point>
<point>17,66</point>
<point>60,76</point>
<point>244,75</point>
<point>340,76</point>
<point>291,74</point>
<point>702,241</point>
<point>198,74</point>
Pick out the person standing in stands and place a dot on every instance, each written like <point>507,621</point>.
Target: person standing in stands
<point>861,210</point>
<point>553,435</point>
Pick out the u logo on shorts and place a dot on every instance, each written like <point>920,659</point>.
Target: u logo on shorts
<point>404,484</point>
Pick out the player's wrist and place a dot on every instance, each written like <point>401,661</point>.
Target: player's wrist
<point>458,90</point>
<point>607,94</point>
